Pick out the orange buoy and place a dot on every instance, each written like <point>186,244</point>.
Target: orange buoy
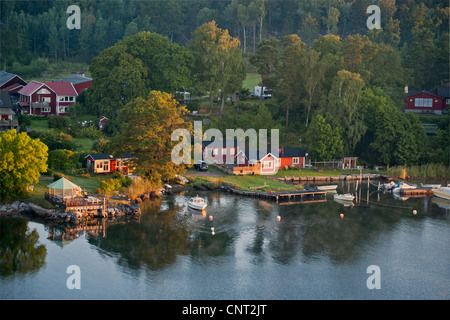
<point>341,215</point>
<point>414,212</point>
<point>210,218</point>
<point>278,218</point>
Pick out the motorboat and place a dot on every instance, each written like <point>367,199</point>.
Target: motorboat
<point>197,203</point>
<point>345,197</point>
<point>345,203</point>
<point>327,188</point>
<point>403,186</point>
<point>442,192</point>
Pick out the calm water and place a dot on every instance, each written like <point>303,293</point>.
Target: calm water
<point>171,253</point>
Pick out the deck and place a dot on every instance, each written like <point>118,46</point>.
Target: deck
<point>80,204</point>
<point>301,195</point>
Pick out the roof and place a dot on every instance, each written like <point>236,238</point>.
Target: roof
<point>74,79</point>
<point>63,184</point>
<point>99,156</point>
<point>291,152</point>
<point>443,91</point>
<point>30,88</point>
<point>6,76</point>
<point>62,88</point>
<point>5,100</point>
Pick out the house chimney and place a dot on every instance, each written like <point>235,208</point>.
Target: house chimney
<point>406,89</point>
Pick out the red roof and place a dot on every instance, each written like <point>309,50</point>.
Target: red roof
<point>30,88</point>
<point>62,88</point>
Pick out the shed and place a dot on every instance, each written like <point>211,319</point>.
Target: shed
<point>349,162</point>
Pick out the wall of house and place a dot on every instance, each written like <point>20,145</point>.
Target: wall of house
<point>438,103</point>
<point>37,97</point>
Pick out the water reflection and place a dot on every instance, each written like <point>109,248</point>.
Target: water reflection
<point>168,229</point>
<point>20,252</point>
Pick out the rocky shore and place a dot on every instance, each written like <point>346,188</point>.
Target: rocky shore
<point>18,208</point>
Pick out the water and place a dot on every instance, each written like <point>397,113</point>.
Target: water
<point>171,253</point>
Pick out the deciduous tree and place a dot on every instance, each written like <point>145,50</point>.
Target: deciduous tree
<point>22,160</point>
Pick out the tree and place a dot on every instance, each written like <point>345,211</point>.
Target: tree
<point>218,63</point>
<point>266,60</point>
<point>342,108</point>
<point>323,141</point>
<point>314,70</point>
<point>289,73</point>
<point>133,67</point>
<point>146,132</point>
<point>22,159</point>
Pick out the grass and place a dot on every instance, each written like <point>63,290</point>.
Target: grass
<point>39,125</point>
<point>252,80</point>
<point>83,144</point>
<point>244,183</point>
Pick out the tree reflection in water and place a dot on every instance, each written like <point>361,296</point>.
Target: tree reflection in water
<point>20,252</point>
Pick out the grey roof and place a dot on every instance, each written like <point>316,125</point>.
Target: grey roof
<point>5,100</point>
<point>5,76</point>
<point>291,152</point>
<point>99,156</point>
<point>74,79</point>
<point>443,91</point>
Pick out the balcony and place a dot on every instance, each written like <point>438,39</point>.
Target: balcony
<point>40,105</point>
<point>8,124</point>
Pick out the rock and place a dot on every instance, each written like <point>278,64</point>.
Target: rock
<point>145,196</point>
<point>15,205</point>
<point>138,200</point>
<point>3,208</point>
<point>23,207</point>
<point>41,212</point>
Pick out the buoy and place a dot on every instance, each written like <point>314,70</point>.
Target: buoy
<point>414,212</point>
<point>341,215</point>
<point>278,218</point>
<point>210,218</point>
<point>213,233</point>
<point>212,229</point>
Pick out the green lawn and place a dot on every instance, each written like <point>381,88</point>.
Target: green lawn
<point>39,125</point>
<point>252,80</point>
<point>83,144</point>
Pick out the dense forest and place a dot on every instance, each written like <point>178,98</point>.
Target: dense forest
<point>338,85</point>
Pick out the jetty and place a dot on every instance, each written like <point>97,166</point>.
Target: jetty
<point>343,177</point>
<point>279,196</point>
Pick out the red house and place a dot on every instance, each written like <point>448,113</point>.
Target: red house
<point>47,98</point>
<point>103,163</point>
<point>432,102</point>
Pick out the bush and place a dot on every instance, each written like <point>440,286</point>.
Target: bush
<point>58,122</point>
<point>110,185</point>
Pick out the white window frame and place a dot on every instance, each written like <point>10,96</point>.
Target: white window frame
<point>45,109</point>
<point>295,160</point>
<point>267,164</point>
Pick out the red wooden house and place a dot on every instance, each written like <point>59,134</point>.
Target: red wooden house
<point>432,102</point>
<point>47,98</point>
<point>103,163</point>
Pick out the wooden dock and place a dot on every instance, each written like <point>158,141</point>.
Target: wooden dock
<point>416,192</point>
<point>301,195</point>
<point>346,177</point>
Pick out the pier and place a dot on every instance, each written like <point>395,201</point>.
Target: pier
<point>301,195</point>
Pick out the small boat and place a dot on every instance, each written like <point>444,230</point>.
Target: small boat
<point>327,188</point>
<point>403,186</point>
<point>345,197</point>
<point>197,203</point>
<point>443,193</point>
<point>430,186</point>
<point>345,203</point>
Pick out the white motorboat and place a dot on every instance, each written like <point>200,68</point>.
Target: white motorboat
<point>327,188</point>
<point>345,197</point>
<point>197,203</point>
<point>403,186</point>
<point>443,193</point>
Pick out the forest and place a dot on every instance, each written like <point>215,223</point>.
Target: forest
<point>338,86</point>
